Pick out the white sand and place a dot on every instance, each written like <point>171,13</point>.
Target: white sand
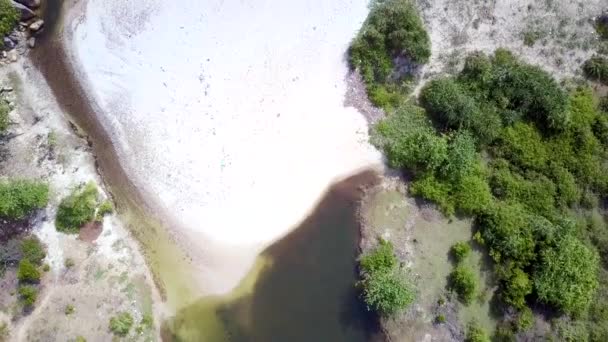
<point>231,112</point>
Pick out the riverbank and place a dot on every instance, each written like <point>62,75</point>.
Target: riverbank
<point>230,133</point>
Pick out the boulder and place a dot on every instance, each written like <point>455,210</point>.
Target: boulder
<point>12,55</point>
<point>36,25</point>
<point>29,3</point>
<point>31,42</point>
<point>8,44</point>
<point>26,13</point>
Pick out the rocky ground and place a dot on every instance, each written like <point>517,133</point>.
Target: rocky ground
<point>91,277</point>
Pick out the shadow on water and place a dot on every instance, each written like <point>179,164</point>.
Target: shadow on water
<point>306,294</point>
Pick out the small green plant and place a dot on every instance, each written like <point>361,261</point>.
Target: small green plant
<point>121,324</point>
<point>32,250</point>
<point>476,334</point>
<point>530,38</point>
<point>461,250</point>
<point>46,268</point>
<point>52,139</point>
<point>4,332</point>
<point>19,198</point>
<point>596,68</point>
<point>104,209</point>
<point>440,319</point>
<point>69,262</point>
<point>77,209</point>
<point>69,309</point>
<point>525,320</point>
<point>4,118</point>
<point>80,339</point>
<point>27,272</point>
<point>147,322</point>
<point>8,17</point>
<point>28,295</point>
<point>464,283</point>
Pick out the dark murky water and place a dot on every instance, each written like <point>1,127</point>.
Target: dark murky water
<point>308,294</point>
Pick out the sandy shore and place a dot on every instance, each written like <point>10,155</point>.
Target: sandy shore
<point>230,113</point>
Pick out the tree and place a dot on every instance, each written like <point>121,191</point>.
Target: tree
<point>567,276</point>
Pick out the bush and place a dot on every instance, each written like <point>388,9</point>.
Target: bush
<point>476,334</point>
<point>525,320</point>
<point>461,158</point>
<point>8,17</point>
<point>461,250</point>
<point>596,68</point>
<point>522,145</point>
<point>464,283</point>
<point>104,209</point>
<point>69,309</point>
<point>567,276</point>
<point>28,295</point>
<point>121,324</point>
<point>19,198</point>
<point>27,272</point>
<point>516,287</point>
<point>384,289</point>
<point>472,195</point>
<point>77,209</point>
<point>4,118</point>
<point>446,101</point>
<point>432,189</point>
<point>32,250</point>
<point>392,31</point>
<point>382,259</point>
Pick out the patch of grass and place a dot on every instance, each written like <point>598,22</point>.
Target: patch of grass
<point>19,198</point>
<point>464,283</point>
<point>530,38</point>
<point>8,17</point>
<point>476,334</point>
<point>460,251</point>
<point>596,68</point>
<point>27,272</point>
<point>77,209</point>
<point>32,250</point>
<point>69,262</point>
<point>121,324</point>
<point>4,332</point>
<point>105,208</point>
<point>4,118</point>
<point>28,295</point>
<point>69,309</point>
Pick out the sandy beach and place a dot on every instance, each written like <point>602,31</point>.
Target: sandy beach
<point>230,113</point>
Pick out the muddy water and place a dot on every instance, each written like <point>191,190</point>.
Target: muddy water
<point>306,290</point>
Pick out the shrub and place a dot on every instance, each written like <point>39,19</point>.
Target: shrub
<point>472,195</point>
<point>28,295</point>
<point>476,334</point>
<point>19,198</point>
<point>525,320</point>
<point>567,276</point>
<point>522,145</point>
<point>69,263</point>
<point>380,260</point>
<point>596,68</point>
<point>432,189</point>
<point>4,118</point>
<point>440,319</point>
<point>461,157</point>
<point>464,283</point>
<point>121,324</point>
<point>384,289</point>
<point>27,272</point>
<point>461,250</point>
<point>516,287</point>
<point>69,309</point>
<point>8,17</point>
<point>446,101</point>
<point>104,209</point>
<point>77,209</point>
<point>32,250</point>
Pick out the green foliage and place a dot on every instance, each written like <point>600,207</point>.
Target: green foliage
<point>384,288</point>
<point>32,250</point>
<point>525,320</point>
<point>516,287</point>
<point>77,209</point>
<point>464,283</point>
<point>473,195</point>
<point>440,319</point>
<point>461,158</point>
<point>4,119</point>
<point>596,68</point>
<point>380,260</point>
<point>19,198</point>
<point>28,295</point>
<point>27,272</point>
<point>393,30</point>
<point>461,250</point>
<point>567,276</point>
<point>121,324</point>
<point>8,17</point>
<point>432,189</point>
<point>475,333</point>
<point>69,309</point>
<point>522,145</point>
<point>601,26</point>
<point>104,209</point>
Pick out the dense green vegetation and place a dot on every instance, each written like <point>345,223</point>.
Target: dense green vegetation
<point>27,272</point>
<point>77,209</point>
<point>460,251</point>
<point>121,324</point>
<point>8,17</point>
<point>504,142</point>
<point>28,295</point>
<point>388,48</point>
<point>19,198</point>
<point>32,250</point>
<point>462,280</point>
<point>385,289</point>
<point>476,334</point>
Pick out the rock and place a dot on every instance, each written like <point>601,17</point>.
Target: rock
<point>14,36</point>
<point>26,13</point>
<point>6,89</point>
<point>30,3</point>
<point>36,25</point>
<point>12,55</point>
<point>31,42</point>
<point>8,43</point>
<point>4,54</point>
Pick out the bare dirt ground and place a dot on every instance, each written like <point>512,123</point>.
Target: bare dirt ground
<point>91,279</point>
<point>557,35</point>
